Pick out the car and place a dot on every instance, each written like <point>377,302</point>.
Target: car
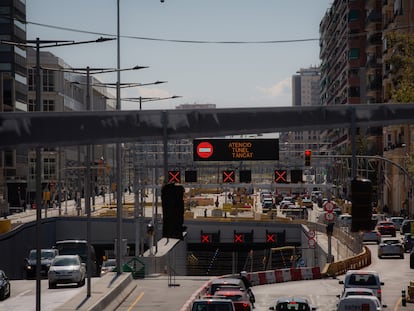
<point>46,257</point>
<point>292,303</point>
<point>307,202</point>
<point>365,279</point>
<point>408,242</point>
<point>359,302</point>
<point>356,291</point>
<point>66,269</point>
<point>344,220</point>
<point>212,304</point>
<point>108,266</point>
<point>4,286</point>
<point>386,228</point>
<point>406,226</point>
<point>390,247</point>
<point>397,221</point>
<point>240,298</point>
<point>225,281</point>
<point>80,247</point>
<point>371,236</point>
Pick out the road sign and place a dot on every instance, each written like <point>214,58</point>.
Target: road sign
<point>281,176</point>
<point>236,149</point>
<point>228,176</point>
<point>329,216</point>
<point>329,206</point>
<point>204,149</point>
<point>174,177</point>
<point>312,243</point>
<point>311,234</point>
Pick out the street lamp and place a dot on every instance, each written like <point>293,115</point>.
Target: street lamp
<point>141,100</point>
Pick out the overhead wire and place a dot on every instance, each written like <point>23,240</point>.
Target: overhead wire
<point>171,40</point>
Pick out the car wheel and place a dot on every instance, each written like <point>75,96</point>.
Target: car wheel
<point>2,295</point>
<point>402,256</point>
<point>52,285</point>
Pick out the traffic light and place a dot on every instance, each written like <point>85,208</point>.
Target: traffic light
<point>361,198</point>
<point>246,176</point>
<point>308,156</point>
<point>172,199</point>
<point>228,176</point>
<point>174,176</point>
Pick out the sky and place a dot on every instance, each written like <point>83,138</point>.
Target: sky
<point>230,53</point>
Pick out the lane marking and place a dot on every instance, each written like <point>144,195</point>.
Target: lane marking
<point>136,301</point>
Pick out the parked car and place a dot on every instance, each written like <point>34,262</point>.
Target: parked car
<point>406,226</point>
<point>212,304</point>
<point>108,266</point>
<point>371,236</point>
<point>292,303</point>
<point>363,278</point>
<point>408,242</point>
<point>66,269</point>
<point>397,221</point>
<point>4,286</point>
<point>239,297</point>
<point>46,257</point>
<point>390,247</point>
<point>362,302</point>
<point>386,228</point>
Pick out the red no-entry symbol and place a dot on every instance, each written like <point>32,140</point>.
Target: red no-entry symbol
<point>228,176</point>
<point>238,238</point>
<point>270,238</point>
<point>205,150</point>
<point>174,176</point>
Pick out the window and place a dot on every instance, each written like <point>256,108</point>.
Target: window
<point>353,15</point>
<point>32,105</point>
<point>49,168</point>
<point>48,81</point>
<point>31,79</point>
<point>48,105</point>
<point>9,158</point>
<point>354,53</point>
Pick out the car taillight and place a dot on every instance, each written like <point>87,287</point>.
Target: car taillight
<point>246,306</point>
<point>379,294</point>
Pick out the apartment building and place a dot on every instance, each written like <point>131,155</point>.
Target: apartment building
<point>13,91</point>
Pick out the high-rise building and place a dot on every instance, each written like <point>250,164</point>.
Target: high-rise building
<point>13,94</point>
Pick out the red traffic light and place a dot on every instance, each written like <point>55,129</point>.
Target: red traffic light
<point>308,155</point>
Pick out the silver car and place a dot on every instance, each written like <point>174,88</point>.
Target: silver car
<point>66,269</point>
<point>390,247</point>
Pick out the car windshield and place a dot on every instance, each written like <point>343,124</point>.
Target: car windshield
<point>44,254</point>
<point>66,261</point>
<point>298,306</point>
<point>391,242</point>
<point>362,280</point>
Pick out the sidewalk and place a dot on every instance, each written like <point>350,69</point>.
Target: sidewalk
<point>106,294</point>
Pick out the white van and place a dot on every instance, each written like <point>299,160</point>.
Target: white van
<point>359,303</point>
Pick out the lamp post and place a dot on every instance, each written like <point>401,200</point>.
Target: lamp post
<point>141,100</point>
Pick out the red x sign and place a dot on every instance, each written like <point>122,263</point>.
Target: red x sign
<point>205,238</point>
<point>174,177</point>
<point>270,238</point>
<point>228,176</point>
<point>280,176</point>
<point>238,238</point>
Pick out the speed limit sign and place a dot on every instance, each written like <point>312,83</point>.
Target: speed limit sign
<point>329,216</point>
<point>311,234</point>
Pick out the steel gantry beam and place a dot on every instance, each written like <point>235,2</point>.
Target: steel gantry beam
<point>100,127</point>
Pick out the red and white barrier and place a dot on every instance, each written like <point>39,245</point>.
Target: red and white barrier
<point>284,275</point>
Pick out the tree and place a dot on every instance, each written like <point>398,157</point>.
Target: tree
<point>402,66</point>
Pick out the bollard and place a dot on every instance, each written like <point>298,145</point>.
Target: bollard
<point>403,298</point>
